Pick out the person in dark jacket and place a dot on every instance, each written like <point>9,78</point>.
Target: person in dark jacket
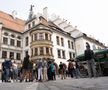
<point>3,78</point>
<point>7,65</point>
<point>31,71</point>
<point>89,57</point>
<point>25,67</point>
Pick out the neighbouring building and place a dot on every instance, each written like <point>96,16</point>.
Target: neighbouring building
<point>11,36</point>
<point>80,37</point>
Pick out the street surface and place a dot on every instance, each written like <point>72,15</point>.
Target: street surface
<point>100,83</point>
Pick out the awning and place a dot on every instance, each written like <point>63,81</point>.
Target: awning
<point>100,56</point>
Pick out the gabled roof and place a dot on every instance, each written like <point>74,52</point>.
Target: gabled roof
<point>58,29</point>
<point>40,26</point>
<point>11,23</point>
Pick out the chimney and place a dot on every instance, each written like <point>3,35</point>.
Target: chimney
<point>45,13</point>
<point>75,27</point>
<point>14,13</point>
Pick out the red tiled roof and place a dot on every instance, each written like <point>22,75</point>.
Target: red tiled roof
<point>11,23</point>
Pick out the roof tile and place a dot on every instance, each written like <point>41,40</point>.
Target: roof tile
<point>11,23</point>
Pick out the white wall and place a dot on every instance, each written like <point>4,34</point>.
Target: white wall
<point>65,48</point>
<point>79,43</point>
<point>76,33</point>
<point>26,48</point>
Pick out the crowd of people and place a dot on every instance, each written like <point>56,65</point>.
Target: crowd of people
<point>45,69</point>
<point>41,70</point>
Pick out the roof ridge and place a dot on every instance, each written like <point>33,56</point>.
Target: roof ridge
<point>11,15</point>
<point>12,21</point>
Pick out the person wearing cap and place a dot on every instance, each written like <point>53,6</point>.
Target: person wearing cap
<point>89,57</point>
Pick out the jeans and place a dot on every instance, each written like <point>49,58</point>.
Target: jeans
<point>7,74</point>
<point>78,74</point>
<point>40,75</point>
<point>91,68</point>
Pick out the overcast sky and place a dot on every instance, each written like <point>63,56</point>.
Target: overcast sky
<point>90,16</point>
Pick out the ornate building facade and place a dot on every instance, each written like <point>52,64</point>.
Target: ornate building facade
<point>38,36</point>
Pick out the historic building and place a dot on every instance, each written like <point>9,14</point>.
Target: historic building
<point>39,37</point>
<point>80,37</point>
<point>44,39</point>
<point>11,36</point>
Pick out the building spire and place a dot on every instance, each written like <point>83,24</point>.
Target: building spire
<point>31,8</point>
<point>31,13</point>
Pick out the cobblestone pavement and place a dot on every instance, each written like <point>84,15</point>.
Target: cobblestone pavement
<point>76,84</point>
<point>100,83</point>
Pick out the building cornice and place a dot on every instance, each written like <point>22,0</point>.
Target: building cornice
<point>36,28</point>
<point>91,39</point>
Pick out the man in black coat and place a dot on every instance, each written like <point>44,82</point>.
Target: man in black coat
<point>89,57</point>
<point>25,67</point>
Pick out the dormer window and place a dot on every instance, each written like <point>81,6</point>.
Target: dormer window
<point>12,35</point>
<point>33,23</point>
<point>5,33</point>
<point>19,37</point>
<point>29,26</point>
